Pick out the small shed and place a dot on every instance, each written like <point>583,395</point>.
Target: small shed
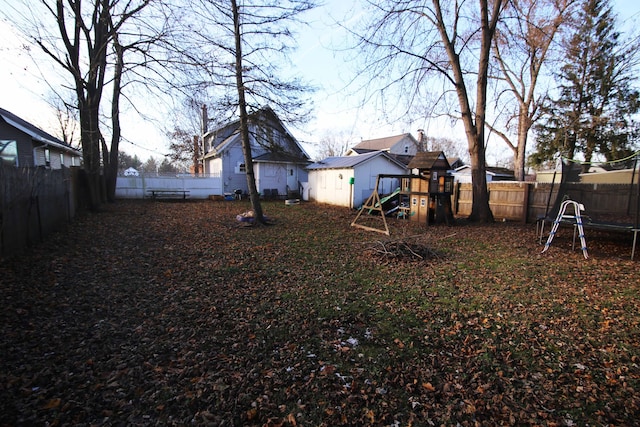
<point>349,180</point>
<point>430,191</point>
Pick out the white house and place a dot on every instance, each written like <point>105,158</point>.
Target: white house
<point>279,160</point>
<point>463,174</point>
<point>349,180</point>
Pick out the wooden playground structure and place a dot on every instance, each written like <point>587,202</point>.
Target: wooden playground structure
<point>424,197</point>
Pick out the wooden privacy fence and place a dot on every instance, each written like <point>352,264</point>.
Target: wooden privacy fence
<point>527,201</point>
<point>33,203</point>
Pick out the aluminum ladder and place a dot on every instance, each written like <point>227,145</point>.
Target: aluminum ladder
<point>577,207</point>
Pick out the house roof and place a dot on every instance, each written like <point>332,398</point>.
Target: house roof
<point>279,158</point>
<point>235,137</point>
<point>491,170</point>
<point>346,162</point>
<point>381,143</point>
<point>429,160</point>
<point>34,132</point>
<point>231,129</point>
<point>405,159</point>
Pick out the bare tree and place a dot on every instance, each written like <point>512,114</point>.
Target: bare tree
<point>333,144</point>
<point>451,148</point>
<point>86,31</point>
<point>249,41</point>
<point>410,43</point>
<point>521,49</point>
<point>106,45</point>
<point>67,118</point>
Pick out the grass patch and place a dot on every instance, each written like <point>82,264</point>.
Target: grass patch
<point>297,323</point>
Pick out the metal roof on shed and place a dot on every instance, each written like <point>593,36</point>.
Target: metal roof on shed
<point>344,162</point>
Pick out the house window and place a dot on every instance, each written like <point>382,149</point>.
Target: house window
<point>241,168</point>
<point>406,149</point>
<point>47,157</point>
<point>9,152</point>
<point>61,158</point>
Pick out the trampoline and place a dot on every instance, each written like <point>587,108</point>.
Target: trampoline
<point>618,211</point>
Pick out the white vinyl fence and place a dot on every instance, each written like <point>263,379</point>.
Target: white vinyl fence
<point>138,187</point>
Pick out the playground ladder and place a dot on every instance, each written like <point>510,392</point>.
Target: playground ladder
<point>577,207</point>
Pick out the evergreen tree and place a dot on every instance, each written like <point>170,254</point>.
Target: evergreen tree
<point>125,161</point>
<point>596,101</point>
<point>166,167</point>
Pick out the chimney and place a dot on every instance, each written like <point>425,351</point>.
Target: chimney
<point>205,120</point>
<point>421,141</point>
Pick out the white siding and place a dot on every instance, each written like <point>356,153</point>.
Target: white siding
<point>366,175</point>
<point>270,176</point>
<point>405,146</point>
<point>326,186</point>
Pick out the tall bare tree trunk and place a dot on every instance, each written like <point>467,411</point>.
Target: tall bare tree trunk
<point>254,196</point>
<point>111,155</point>
<point>474,122</point>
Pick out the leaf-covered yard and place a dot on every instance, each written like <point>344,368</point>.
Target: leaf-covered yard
<point>154,313</point>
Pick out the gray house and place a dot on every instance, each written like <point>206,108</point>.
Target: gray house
<point>398,145</point>
<point>25,145</point>
<point>279,160</point>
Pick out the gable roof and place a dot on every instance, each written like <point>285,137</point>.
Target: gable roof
<point>227,142</point>
<point>34,132</point>
<point>429,160</point>
<point>231,131</point>
<point>491,170</point>
<point>382,143</point>
<point>279,157</point>
<point>346,162</point>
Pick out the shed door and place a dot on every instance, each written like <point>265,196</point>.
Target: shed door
<point>292,177</point>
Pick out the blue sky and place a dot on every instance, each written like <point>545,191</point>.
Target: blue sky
<point>23,88</point>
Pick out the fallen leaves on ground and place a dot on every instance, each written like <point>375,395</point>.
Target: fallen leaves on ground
<point>159,313</point>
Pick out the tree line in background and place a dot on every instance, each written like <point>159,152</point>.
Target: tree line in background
<point>220,52</point>
<point>592,111</point>
<point>150,166</point>
<point>556,69</point>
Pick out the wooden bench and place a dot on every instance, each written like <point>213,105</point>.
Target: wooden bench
<point>159,193</point>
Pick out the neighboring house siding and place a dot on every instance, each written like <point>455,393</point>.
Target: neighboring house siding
<point>326,186</point>
<point>235,178</point>
<point>272,176</point>
<point>406,146</point>
<point>23,144</point>
<point>366,175</point>
<point>34,146</point>
<point>284,177</point>
<point>271,172</point>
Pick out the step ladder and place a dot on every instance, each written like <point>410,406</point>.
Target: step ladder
<point>577,207</point>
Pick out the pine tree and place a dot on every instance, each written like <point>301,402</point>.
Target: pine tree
<point>596,101</point>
